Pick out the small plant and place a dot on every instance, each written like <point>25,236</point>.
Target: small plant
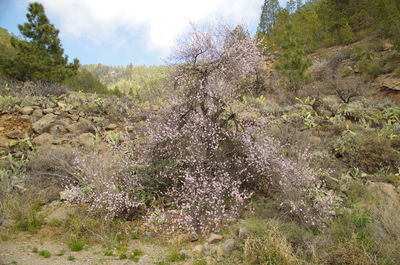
<point>55,223</point>
<point>108,253</point>
<point>176,256</point>
<point>200,262</point>
<point>123,256</point>
<point>45,254</point>
<point>137,252</point>
<point>29,224</point>
<point>76,245</point>
<point>71,258</point>
<point>135,234</point>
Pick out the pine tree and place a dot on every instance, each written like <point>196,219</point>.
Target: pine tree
<point>268,16</point>
<point>292,65</point>
<point>40,55</point>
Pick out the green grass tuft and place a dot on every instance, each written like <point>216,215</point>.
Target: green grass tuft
<point>176,256</point>
<point>45,254</point>
<point>76,245</point>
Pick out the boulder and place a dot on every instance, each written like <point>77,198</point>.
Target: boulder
<point>28,110</point>
<point>48,111</point>
<point>387,46</point>
<point>82,126</point>
<point>57,130</point>
<point>25,117</point>
<point>214,238</point>
<point>111,127</point>
<point>64,121</point>
<point>74,117</point>
<point>44,123</point>
<point>36,115</point>
<point>388,81</point>
<point>43,139</point>
<point>227,247</point>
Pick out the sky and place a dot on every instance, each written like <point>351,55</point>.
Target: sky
<point>120,32</point>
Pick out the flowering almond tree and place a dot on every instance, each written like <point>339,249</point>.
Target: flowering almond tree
<point>208,162</point>
<point>194,142</point>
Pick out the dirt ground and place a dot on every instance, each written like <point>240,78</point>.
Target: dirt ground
<point>23,250</point>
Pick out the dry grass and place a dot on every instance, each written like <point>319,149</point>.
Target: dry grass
<point>266,244</point>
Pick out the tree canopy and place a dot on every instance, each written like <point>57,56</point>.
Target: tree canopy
<point>39,55</point>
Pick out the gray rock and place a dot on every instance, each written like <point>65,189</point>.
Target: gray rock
<point>214,238</point>
<point>36,115</point>
<point>43,139</point>
<point>62,141</point>
<point>25,117</point>
<point>111,127</point>
<point>227,247</point>
<point>194,237</point>
<point>74,117</point>
<point>64,121</point>
<point>57,130</point>
<point>82,126</point>
<point>27,110</point>
<point>48,111</point>
<point>44,123</point>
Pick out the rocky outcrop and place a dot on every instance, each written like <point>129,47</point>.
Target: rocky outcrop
<point>387,82</point>
<point>44,123</point>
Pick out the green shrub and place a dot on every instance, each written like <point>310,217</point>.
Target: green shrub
<point>76,245</point>
<point>176,256</point>
<point>31,224</point>
<point>45,254</point>
<point>108,253</point>
<point>137,252</point>
<point>86,82</point>
<point>71,258</point>
<point>368,152</point>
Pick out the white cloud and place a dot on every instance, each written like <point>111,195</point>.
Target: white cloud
<point>159,22</point>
